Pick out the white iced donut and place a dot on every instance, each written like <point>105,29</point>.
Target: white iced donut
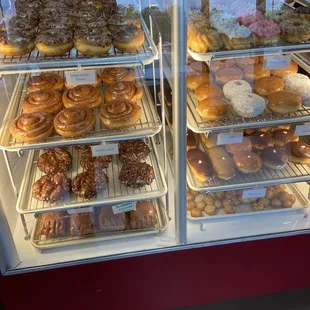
<point>235,87</point>
<point>248,105</point>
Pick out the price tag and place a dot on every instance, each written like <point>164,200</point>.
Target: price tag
<point>106,149</point>
<point>229,138</point>
<point>254,193</point>
<point>124,207</point>
<point>80,210</point>
<point>277,62</point>
<point>302,130</point>
<point>81,77</point>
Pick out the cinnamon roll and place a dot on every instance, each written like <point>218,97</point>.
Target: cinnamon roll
<point>119,114</point>
<point>32,127</point>
<point>128,38</point>
<point>82,96</point>
<point>115,75</point>
<point>74,122</point>
<point>92,42</point>
<point>46,100</point>
<point>98,81</point>
<point>45,81</point>
<point>123,91</point>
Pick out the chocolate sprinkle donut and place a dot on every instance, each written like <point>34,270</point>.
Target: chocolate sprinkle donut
<point>55,160</point>
<point>88,162</point>
<point>88,184</point>
<point>136,175</point>
<point>51,188</point>
<point>133,150</point>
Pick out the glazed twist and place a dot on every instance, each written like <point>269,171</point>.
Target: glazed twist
<point>123,91</point>
<point>74,122</point>
<point>114,75</point>
<point>32,127</point>
<point>86,96</point>
<point>119,114</point>
<point>46,100</point>
<point>45,81</point>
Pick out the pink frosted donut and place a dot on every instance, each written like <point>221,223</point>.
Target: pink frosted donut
<point>265,28</point>
<point>250,17</point>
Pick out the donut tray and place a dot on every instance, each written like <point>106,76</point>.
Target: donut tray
<point>245,209</point>
<point>116,193</point>
<point>148,125</point>
<point>36,61</point>
<point>42,243</point>
<point>291,173</point>
<point>233,122</point>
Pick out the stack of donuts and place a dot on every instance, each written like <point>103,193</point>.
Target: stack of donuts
<point>53,105</point>
<point>92,26</point>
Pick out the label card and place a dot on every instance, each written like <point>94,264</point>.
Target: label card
<point>80,210</point>
<point>254,193</point>
<point>229,138</point>
<point>277,62</point>
<point>302,130</point>
<point>81,77</point>
<point>124,207</point>
<point>106,149</point>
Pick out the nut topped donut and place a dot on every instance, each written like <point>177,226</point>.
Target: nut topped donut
<point>90,163</point>
<point>45,81</point>
<point>123,91</point>
<point>133,150</point>
<point>32,127</point>
<point>82,96</point>
<point>118,74</point>
<point>46,100</point>
<point>55,160</point>
<point>74,122</point>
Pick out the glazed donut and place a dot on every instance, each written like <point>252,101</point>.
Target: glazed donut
<point>197,66</point>
<point>82,96</point>
<point>128,38</point>
<point>247,162</point>
<point>118,74</point>
<point>245,145</point>
<point>74,122</point>
<point>98,81</point>
<point>254,72</point>
<point>128,91</point>
<point>45,81</point>
<point>267,85</point>
<point>32,127</point>
<point>293,68</point>
<point>224,75</point>
<point>46,100</point>
<point>92,41</point>
<point>119,114</point>
<point>196,79</point>
<point>213,109</point>
<point>205,91</point>
<point>283,102</point>
<point>295,30</point>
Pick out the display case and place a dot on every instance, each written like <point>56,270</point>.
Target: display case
<point>137,128</point>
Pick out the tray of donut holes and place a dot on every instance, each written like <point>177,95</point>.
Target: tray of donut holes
<point>240,91</point>
<point>46,111</point>
<point>279,198</point>
<point>67,178</point>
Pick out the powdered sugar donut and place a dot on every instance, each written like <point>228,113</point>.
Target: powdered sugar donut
<point>236,87</point>
<point>295,82</point>
<point>248,105</point>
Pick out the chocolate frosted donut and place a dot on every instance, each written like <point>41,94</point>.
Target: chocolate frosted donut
<point>88,162</point>
<point>55,160</point>
<point>136,175</point>
<point>274,157</point>
<point>133,150</point>
<point>51,188</point>
<point>88,184</point>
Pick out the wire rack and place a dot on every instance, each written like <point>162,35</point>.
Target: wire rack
<point>37,61</point>
<point>148,125</point>
<point>116,193</point>
<point>233,121</point>
<point>291,173</point>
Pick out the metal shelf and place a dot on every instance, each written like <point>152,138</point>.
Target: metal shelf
<point>148,125</point>
<point>292,173</point>
<point>44,244</point>
<point>36,61</point>
<point>116,193</point>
